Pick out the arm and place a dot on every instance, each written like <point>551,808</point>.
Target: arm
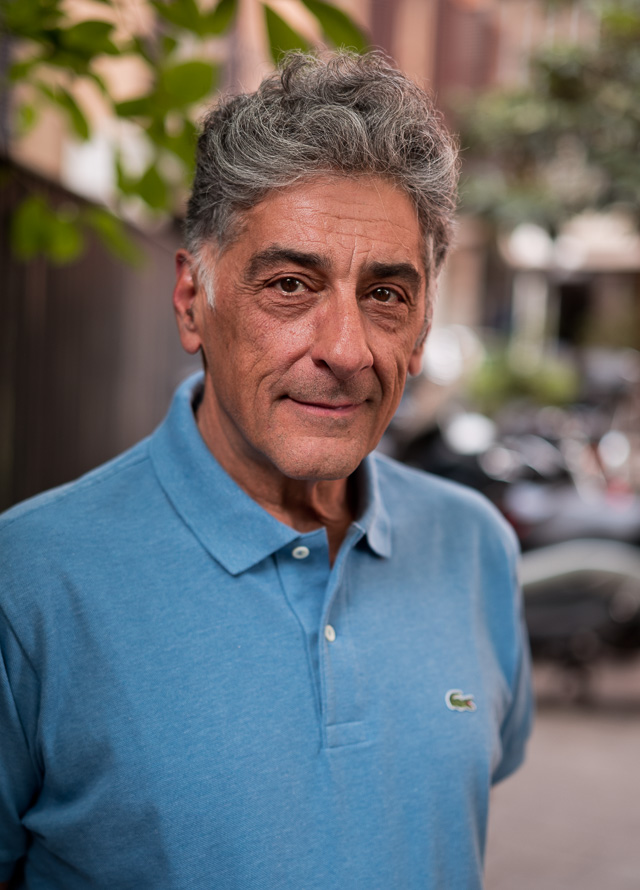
<point>18,773</point>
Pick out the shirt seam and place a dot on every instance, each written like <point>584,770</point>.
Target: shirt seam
<point>69,489</point>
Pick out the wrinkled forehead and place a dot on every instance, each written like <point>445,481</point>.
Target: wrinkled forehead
<point>240,217</point>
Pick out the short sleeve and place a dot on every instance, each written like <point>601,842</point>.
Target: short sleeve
<point>18,772</point>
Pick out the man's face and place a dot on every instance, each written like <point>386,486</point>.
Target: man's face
<point>319,306</point>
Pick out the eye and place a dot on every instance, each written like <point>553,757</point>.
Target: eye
<point>290,285</point>
<point>385,295</point>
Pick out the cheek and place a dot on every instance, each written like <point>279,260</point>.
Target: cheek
<point>392,368</point>
<point>258,366</point>
<point>276,346</point>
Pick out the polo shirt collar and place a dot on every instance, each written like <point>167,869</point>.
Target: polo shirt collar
<point>374,520</point>
<point>232,527</point>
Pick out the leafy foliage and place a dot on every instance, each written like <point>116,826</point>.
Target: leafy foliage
<point>567,142</point>
<point>337,26</point>
<point>39,228</point>
<point>500,380</point>
<point>55,53</point>
<point>282,37</point>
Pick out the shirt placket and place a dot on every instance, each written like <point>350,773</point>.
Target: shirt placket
<point>319,597</point>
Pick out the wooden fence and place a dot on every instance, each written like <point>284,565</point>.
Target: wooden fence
<point>89,353</point>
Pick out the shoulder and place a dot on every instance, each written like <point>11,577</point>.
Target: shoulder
<point>77,500</point>
<point>413,496</point>
<point>63,543</point>
<point>56,536</point>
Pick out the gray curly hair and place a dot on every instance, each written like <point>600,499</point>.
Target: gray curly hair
<point>342,113</point>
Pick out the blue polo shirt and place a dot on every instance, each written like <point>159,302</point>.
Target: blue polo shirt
<point>190,697</point>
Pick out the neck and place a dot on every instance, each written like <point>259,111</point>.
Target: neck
<point>303,504</point>
<point>308,505</point>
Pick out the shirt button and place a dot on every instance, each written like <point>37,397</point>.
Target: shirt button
<point>300,552</point>
<point>329,633</point>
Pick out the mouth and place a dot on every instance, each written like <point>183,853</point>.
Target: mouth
<point>322,408</point>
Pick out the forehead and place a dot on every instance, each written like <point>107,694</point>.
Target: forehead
<point>346,219</point>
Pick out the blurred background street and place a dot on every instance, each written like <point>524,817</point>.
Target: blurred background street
<point>530,390</point>
<point>570,818</point>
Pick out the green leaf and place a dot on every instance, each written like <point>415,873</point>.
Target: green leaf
<point>77,118</point>
<point>156,130</point>
<point>21,70</point>
<point>113,234</point>
<point>89,39</point>
<point>38,228</point>
<point>65,240</point>
<point>126,185</point>
<point>168,44</point>
<point>337,25</point>
<point>183,144</point>
<point>181,13</point>
<point>188,82</point>
<point>153,189</point>
<point>28,18</point>
<point>220,20</point>
<point>65,100</point>
<point>140,47</point>
<point>69,61</point>
<point>143,106</point>
<point>100,83</point>
<point>28,232</point>
<point>27,117</point>
<point>282,37</point>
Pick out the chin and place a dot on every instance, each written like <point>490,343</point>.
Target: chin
<point>320,464</point>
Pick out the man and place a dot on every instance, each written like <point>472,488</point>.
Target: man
<point>249,653</point>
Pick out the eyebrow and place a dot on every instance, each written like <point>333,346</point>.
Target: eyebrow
<point>404,271</point>
<point>271,256</point>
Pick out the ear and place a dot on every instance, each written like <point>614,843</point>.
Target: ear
<point>184,298</point>
<point>415,361</point>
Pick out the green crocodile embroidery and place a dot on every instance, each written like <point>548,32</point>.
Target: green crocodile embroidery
<point>458,701</point>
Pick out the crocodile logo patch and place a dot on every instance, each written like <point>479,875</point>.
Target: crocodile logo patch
<point>458,701</point>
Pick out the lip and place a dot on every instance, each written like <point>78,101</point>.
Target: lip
<point>326,409</point>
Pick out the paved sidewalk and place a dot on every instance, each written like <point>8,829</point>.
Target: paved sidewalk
<point>570,819</point>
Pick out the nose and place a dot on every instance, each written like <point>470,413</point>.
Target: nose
<point>340,338</point>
